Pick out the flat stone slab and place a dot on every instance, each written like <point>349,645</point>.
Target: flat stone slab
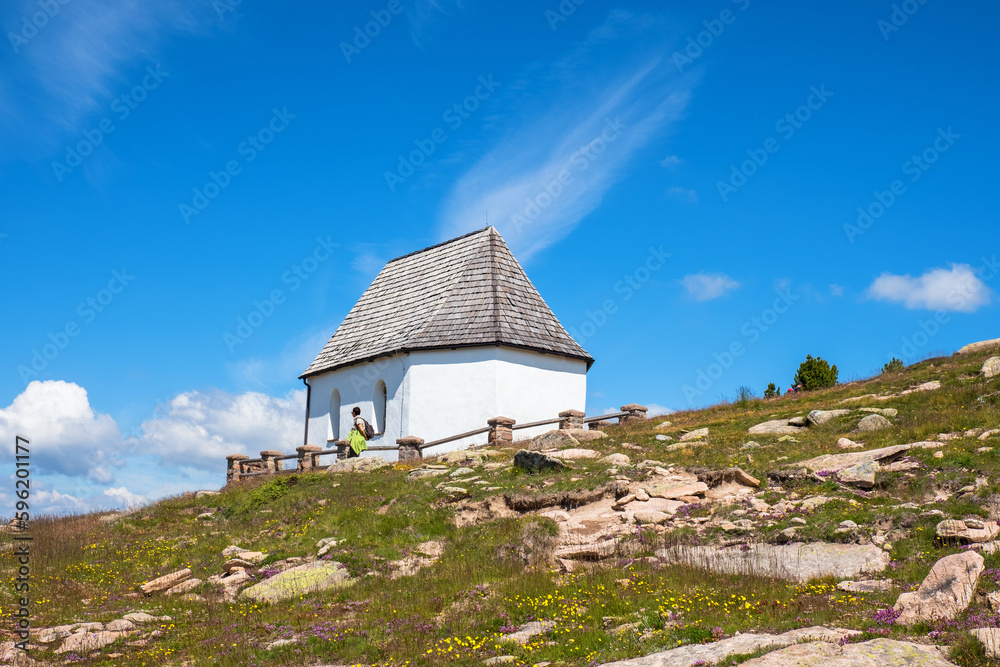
<point>694,435</point>
<point>529,630</point>
<point>309,578</point>
<point>166,581</point>
<point>672,491</point>
<point>775,427</point>
<point>716,652</point>
<point>575,453</point>
<point>838,462</point>
<point>874,653</point>
<point>86,642</point>
<point>795,562</point>
<point>817,417</point>
<point>360,464</point>
<point>869,586</point>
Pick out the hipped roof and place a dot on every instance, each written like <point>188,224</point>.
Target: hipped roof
<point>469,291</point>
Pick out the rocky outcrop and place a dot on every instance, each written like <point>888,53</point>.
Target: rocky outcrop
<point>945,592</point>
<point>318,575</point>
<point>968,530</point>
<point>991,368</point>
<point>979,347</point>
<point>795,562</point>
<point>838,462</point>
<point>873,653</point>
<point>717,652</point>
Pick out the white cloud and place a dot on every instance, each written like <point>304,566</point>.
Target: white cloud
<point>708,286</point>
<point>683,194</point>
<point>125,498</point>
<point>955,289</point>
<point>201,429</point>
<point>671,162</point>
<point>836,290</point>
<point>602,103</point>
<point>53,502</point>
<point>655,410</point>
<point>67,436</point>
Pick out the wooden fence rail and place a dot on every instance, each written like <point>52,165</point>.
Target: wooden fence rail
<point>500,430</point>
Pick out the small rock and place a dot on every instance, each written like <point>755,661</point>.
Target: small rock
<point>184,587</point>
<point>166,581</point>
<point>847,443</point>
<point>797,520</point>
<point>991,368</point>
<point>694,435</point>
<point>529,630</point>
<point>662,438</point>
<point>848,524</point>
<point>787,535</point>
<point>536,462</point>
<point>575,454</point>
<point>641,495</point>
<point>817,417</point>
<point>616,459</point>
<point>458,472</point>
<point>750,445</point>
<point>861,475</point>
<point>873,423</point>
<point>990,639</point>
<point>939,454</point>
<point>232,550</point>
<point>233,563</point>
<point>120,625</point>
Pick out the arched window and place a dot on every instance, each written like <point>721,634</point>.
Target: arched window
<point>333,433</point>
<point>379,401</point>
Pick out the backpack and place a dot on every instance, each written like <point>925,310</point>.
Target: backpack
<point>369,432</point>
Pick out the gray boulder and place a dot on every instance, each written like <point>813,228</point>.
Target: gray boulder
<point>861,475</point>
<point>945,592</point>
<point>536,461</point>
<point>775,427</point>
<point>817,417</point>
<point>873,423</point>
<point>553,440</point>
<point>992,367</point>
<point>795,562</point>
<point>318,575</point>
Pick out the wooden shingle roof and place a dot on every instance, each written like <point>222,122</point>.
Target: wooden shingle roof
<point>469,291</point>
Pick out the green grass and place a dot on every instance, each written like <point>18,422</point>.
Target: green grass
<point>497,575</point>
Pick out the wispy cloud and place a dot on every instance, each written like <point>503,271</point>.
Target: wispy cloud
<point>671,162</point>
<point>708,286</point>
<point>76,63</point>
<point>554,163</point>
<point>955,289</point>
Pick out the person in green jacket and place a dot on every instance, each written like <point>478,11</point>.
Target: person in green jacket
<point>356,440</point>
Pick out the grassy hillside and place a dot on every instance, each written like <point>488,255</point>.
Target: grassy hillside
<point>496,572</point>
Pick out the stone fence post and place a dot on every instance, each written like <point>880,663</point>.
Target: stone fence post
<point>571,419</point>
<point>233,467</point>
<point>307,459</point>
<point>636,413</point>
<point>409,448</point>
<point>342,449</point>
<point>501,433</point>
<point>271,465</point>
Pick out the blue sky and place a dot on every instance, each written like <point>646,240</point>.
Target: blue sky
<point>703,193</point>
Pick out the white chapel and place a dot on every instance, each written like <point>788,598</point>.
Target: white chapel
<point>442,340</point>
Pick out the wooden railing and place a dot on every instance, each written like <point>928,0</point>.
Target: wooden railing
<point>500,430</point>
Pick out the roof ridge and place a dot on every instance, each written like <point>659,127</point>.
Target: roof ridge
<point>443,299</point>
<point>438,245</point>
